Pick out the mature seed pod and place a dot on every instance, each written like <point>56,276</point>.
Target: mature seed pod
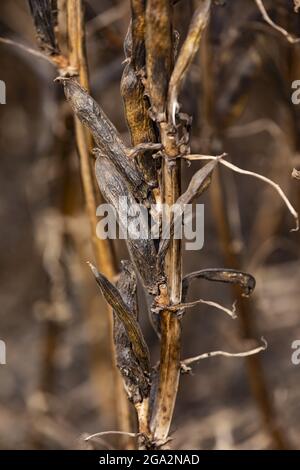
<point>244,280</point>
<point>136,382</point>
<point>105,134</point>
<point>44,13</point>
<point>198,184</point>
<point>116,192</point>
<point>128,319</point>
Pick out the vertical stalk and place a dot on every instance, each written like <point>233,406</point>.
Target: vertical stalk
<point>159,53</point>
<point>102,248</point>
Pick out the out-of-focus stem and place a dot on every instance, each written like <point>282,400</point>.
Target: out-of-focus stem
<point>102,248</point>
<point>247,327</point>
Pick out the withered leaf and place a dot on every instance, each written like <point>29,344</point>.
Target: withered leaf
<point>244,280</point>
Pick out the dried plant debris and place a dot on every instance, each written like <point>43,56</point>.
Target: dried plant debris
<point>185,365</point>
<point>136,381</point>
<point>127,317</point>
<point>105,134</point>
<point>244,280</point>
<point>44,13</point>
<point>296,174</point>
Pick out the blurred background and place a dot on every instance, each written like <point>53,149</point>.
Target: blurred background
<point>57,383</point>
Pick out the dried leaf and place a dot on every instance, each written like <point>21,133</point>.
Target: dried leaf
<point>231,276</point>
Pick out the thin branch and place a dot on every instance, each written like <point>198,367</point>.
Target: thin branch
<point>34,52</point>
<point>235,168</point>
<point>193,360</point>
<point>107,433</point>
<point>275,26</point>
<point>231,313</point>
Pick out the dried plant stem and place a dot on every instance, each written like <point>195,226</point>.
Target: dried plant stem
<point>159,52</point>
<point>102,248</point>
<point>169,371</point>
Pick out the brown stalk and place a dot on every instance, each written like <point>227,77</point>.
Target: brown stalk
<point>102,248</point>
<point>159,50</point>
<point>164,87</point>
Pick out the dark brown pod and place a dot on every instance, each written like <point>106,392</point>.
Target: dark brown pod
<point>127,318</point>
<point>142,250</point>
<point>136,381</point>
<point>231,276</point>
<point>105,134</point>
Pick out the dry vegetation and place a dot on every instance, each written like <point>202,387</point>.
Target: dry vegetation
<point>199,78</point>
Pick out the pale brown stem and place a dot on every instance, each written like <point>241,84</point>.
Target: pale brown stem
<point>102,248</point>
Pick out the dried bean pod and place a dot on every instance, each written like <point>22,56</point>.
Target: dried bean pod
<point>127,318</point>
<point>142,250</point>
<point>135,380</point>
<point>105,134</point>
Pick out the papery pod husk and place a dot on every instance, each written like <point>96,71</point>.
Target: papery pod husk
<point>106,135</point>
<point>135,379</point>
<point>142,251</point>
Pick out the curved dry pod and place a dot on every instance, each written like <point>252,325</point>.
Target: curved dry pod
<point>136,380</point>
<point>131,218</point>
